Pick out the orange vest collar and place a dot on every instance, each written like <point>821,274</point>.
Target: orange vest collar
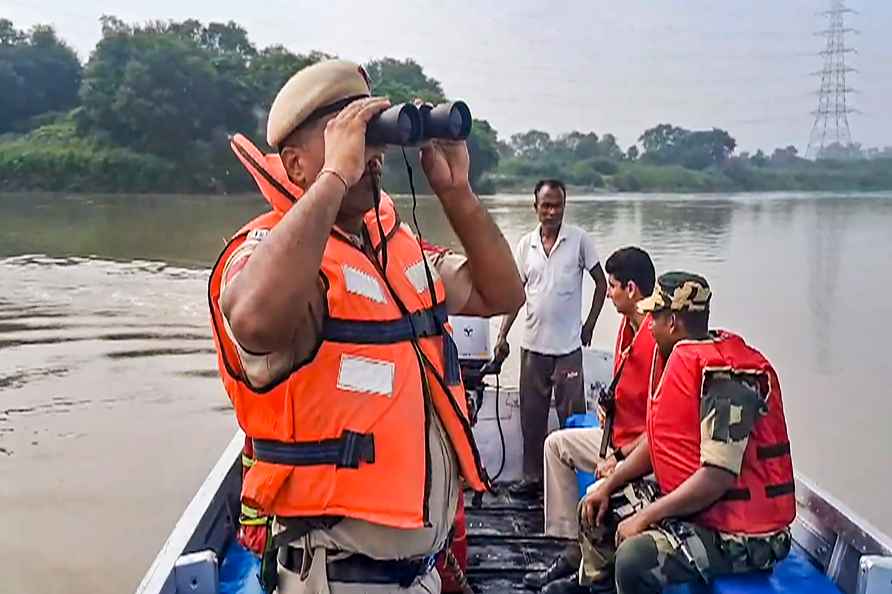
<point>268,172</point>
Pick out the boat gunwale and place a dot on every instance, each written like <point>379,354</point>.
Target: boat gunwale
<point>834,536</point>
<point>204,510</point>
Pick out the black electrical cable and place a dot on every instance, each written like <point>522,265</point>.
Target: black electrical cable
<point>499,425</point>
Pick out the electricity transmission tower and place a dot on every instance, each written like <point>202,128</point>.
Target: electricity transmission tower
<point>831,127</point>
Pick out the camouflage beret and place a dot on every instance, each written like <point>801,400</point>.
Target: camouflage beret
<point>678,291</point>
<point>317,90</point>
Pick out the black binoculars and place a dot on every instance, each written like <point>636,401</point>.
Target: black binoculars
<point>405,124</point>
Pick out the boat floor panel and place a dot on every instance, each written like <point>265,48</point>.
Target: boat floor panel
<point>502,523</point>
<point>505,541</point>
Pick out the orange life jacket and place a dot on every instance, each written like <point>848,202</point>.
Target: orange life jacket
<point>346,433</point>
<point>762,500</point>
<point>632,360</point>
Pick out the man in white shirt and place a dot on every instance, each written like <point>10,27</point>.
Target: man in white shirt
<point>552,260</point>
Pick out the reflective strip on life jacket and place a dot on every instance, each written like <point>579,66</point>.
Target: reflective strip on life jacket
<point>251,517</point>
<point>346,451</point>
<point>421,324</point>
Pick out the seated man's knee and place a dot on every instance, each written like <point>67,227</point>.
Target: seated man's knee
<point>636,560</point>
<point>553,445</point>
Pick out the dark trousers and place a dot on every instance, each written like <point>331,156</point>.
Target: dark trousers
<point>539,375</point>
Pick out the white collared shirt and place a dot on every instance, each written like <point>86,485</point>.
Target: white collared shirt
<point>553,283</point>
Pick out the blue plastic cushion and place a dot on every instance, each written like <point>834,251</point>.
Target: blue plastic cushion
<point>794,575</point>
<point>239,571</point>
<point>582,421</point>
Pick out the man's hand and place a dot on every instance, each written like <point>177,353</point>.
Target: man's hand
<point>594,505</point>
<point>446,164</point>
<point>602,416</point>
<point>502,350</point>
<point>631,526</point>
<point>345,138</point>
<point>606,467</point>
<point>588,329</point>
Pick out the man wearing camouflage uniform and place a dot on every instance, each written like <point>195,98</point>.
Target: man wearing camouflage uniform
<point>717,444</point>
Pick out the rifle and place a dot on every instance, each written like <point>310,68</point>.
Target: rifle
<point>682,538</point>
<point>607,403</point>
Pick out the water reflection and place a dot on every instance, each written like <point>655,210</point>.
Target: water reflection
<point>825,250</point>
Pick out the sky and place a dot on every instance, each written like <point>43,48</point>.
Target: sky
<point>557,66</point>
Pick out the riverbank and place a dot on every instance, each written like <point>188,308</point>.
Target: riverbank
<point>736,175</point>
<point>57,158</point>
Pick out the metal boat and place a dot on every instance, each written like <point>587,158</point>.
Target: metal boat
<point>834,551</point>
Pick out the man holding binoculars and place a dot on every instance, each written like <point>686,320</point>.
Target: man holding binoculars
<point>330,325</point>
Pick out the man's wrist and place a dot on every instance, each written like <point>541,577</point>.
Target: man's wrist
<point>610,483</point>
<point>459,193</point>
<point>650,514</point>
<point>329,180</point>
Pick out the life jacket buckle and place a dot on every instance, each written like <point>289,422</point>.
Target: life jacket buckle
<point>356,448</point>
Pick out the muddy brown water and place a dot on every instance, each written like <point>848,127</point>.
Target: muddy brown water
<point>111,413</point>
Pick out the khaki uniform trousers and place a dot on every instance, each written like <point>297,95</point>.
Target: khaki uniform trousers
<point>567,451</point>
<point>381,542</point>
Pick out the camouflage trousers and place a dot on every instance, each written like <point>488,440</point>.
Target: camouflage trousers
<point>648,562</point>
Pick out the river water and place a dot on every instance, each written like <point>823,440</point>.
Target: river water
<point>111,413</point>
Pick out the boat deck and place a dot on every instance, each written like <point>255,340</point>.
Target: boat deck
<point>506,541</point>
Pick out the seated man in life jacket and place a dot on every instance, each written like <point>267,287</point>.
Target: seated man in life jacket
<point>717,444</point>
<point>330,323</point>
<point>631,277</point>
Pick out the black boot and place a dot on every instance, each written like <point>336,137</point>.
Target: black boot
<point>561,567</point>
<point>527,488</point>
<point>566,585</point>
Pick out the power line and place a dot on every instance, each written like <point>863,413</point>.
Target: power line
<point>831,125</point>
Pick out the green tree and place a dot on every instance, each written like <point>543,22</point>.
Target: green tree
<point>155,92</point>
<point>759,159</point>
<point>483,149</point>
<point>609,148</point>
<point>583,174</point>
<point>661,139</point>
<point>39,73</point>
<point>531,145</point>
<point>271,68</point>
<point>9,35</point>
<point>667,144</point>
<point>505,150</point>
<point>700,149</point>
<point>632,153</point>
<point>784,156</point>
<point>403,81</point>
<point>603,165</point>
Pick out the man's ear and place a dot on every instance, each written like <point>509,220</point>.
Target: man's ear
<point>675,323</point>
<point>292,160</point>
<point>633,290</point>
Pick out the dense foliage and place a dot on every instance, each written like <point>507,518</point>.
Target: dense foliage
<point>154,105</point>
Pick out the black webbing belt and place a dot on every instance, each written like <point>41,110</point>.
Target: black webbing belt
<point>347,451</point>
<point>420,324</point>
